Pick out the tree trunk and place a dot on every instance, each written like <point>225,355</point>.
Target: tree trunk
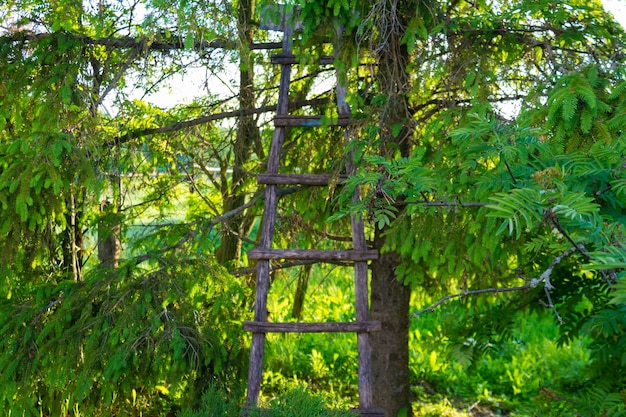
<point>390,346</point>
<point>298,299</point>
<point>109,246</point>
<point>390,300</point>
<point>246,137</point>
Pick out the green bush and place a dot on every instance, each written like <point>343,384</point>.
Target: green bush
<point>216,402</point>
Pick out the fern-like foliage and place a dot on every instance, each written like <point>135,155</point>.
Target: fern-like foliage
<point>527,209</point>
<point>577,110</point>
<point>518,209</point>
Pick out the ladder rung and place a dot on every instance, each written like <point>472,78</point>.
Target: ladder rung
<point>369,412</point>
<point>298,179</point>
<point>314,254</point>
<point>361,412</point>
<point>309,121</point>
<point>326,327</point>
<point>289,59</point>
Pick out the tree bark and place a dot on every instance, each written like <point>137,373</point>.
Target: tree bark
<point>390,346</point>
<point>302,285</point>
<point>109,245</point>
<point>247,135</point>
<point>390,300</point>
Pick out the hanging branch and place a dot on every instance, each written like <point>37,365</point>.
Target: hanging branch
<point>192,233</point>
<point>429,203</point>
<point>544,277</point>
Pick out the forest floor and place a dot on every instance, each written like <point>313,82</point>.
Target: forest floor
<point>446,408</point>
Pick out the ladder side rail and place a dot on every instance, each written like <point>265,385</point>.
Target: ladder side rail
<point>255,370</point>
<point>365,377</point>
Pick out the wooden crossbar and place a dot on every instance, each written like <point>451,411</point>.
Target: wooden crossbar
<point>314,254</point>
<point>299,179</point>
<point>309,121</point>
<point>291,59</point>
<point>324,327</point>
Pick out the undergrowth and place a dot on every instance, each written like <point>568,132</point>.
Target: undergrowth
<point>515,367</point>
<point>296,401</point>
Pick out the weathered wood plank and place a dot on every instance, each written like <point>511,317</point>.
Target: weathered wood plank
<point>314,254</point>
<point>308,121</point>
<point>291,59</point>
<point>298,179</point>
<point>369,412</point>
<point>365,377</point>
<point>255,370</point>
<point>326,327</point>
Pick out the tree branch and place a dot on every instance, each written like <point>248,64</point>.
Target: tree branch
<point>442,300</point>
<point>557,224</point>
<point>175,127</point>
<point>428,203</point>
<point>129,42</point>
<point>116,78</point>
<point>545,277</point>
<point>580,248</point>
<point>273,267</point>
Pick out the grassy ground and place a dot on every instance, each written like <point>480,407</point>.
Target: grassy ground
<point>458,367</point>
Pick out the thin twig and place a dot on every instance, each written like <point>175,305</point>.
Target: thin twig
<point>508,168</point>
<point>557,224</point>
<point>274,267</point>
<point>551,304</point>
<point>428,203</point>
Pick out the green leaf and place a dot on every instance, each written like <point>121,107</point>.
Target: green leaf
<point>396,129</point>
<point>189,40</point>
<point>569,107</point>
<point>65,92</point>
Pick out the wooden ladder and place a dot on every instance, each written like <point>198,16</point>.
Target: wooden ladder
<point>264,253</point>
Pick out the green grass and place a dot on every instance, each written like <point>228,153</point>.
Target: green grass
<point>515,369</point>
